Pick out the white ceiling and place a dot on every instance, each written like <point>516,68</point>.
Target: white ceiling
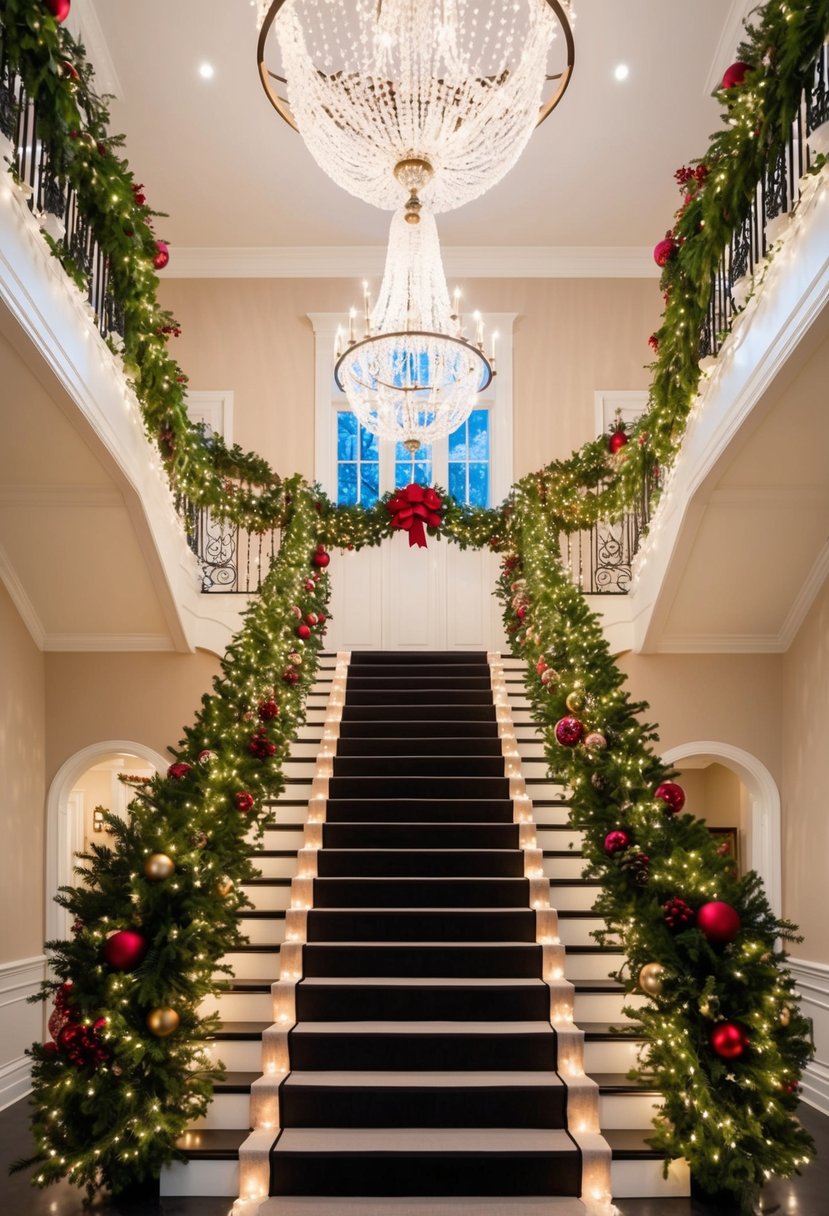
<point>230,173</point>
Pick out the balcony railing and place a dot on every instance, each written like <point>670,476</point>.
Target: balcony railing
<point>231,559</point>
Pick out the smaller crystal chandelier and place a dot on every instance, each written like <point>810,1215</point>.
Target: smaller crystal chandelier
<point>413,376</point>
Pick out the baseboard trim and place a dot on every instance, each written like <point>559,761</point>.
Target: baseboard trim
<point>20,1024</point>
<point>812,981</point>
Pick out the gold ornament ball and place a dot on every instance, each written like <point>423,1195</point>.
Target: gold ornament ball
<point>650,978</point>
<point>575,701</point>
<point>224,886</point>
<point>785,1015</point>
<point>162,1022</point>
<point>158,867</point>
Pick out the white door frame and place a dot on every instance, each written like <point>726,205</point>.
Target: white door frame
<point>62,827</point>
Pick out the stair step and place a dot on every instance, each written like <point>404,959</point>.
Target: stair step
<point>377,726</point>
<point>394,998</point>
<point>443,789</point>
<point>466,893</point>
<point>469,675</point>
<point>436,1046</point>
<point>396,807</point>
<point>438,745</point>
<point>434,924</point>
<point>375,659</point>
<point>415,1161</point>
<point>427,711</point>
<point>423,1099</point>
<point>464,697</point>
<point>477,960</point>
<point>425,765</point>
<point>426,834</point>
<point>436,863</point>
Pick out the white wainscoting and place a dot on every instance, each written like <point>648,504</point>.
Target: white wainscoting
<point>812,980</point>
<point>20,1024</point>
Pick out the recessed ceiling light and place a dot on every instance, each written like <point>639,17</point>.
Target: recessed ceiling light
<point>207,71</point>
<point>621,71</point>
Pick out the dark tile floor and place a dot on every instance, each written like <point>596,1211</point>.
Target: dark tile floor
<point>804,1196</point>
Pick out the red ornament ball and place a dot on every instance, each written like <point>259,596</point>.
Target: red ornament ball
<point>321,558</point>
<point>268,710</point>
<point>260,746</point>
<point>59,9</point>
<point>290,675</point>
<point>321,618</point>
<point>162,255</point>
<point>541,666</point>
<point>719,922</point>
<point>311,618</point>
<point>672,795</point>
<point>735,75</point>
<point>569,731</point>
<point>310,585</point>
<point>179,770</point>
<point>304,632</point>
<point>616,841</point>
<point>50,1048</point>
<point>728,1040</point>
<point>616,442</point>
<point>244,801</point>
<point>70,71</point>
<point>125,950</point>
<point>664,250</point>
<point>206,756</point>
<point>58,1018</point>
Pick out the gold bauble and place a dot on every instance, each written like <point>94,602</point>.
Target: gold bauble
<point>650,978</point>
<point>162,1022</point>
<point>575,701</point>
<point>159,866</point>
<point>785,1015</point>
<point>224,886</point>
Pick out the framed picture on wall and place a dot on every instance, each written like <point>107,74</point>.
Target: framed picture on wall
<point>728,842</point>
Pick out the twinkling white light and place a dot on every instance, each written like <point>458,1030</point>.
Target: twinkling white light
<point>457,83</point>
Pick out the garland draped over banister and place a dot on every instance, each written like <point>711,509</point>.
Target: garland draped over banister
<point>155,912</point>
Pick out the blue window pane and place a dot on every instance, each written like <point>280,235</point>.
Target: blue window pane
<point>478,485</point>
<point>479,435</point>
<point>346,435</point>
<point>369,449</point>
<point>346,485</point>
<point>369,484</point>
<point>457,481</point>
<point>457,443</point>
<point>423,472</point>
<point>402,474</point>
<point>403,456</point>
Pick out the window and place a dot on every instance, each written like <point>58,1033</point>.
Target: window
<point>469,460</point>
<point>358,462</point>
<point>412,466</point>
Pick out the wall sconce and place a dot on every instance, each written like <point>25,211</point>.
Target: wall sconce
<point>98,819</point>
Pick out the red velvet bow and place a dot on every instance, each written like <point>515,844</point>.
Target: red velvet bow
<point>412,508</point>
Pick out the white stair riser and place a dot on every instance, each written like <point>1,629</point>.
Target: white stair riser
<point>603,1006</point>
<point>627,1110</point>
<point>633,1179</point>
<point>549,816</point>
<point>573,898</point>
<point>591,966</point>
<point>531,751</point>
<point>563,868</point>
<point>297,791</point>
<point>610,1055</point>
<point>256,965</point>
<point>543,788</point>
<point>226,1111</point>
<point>241,1006</point>
<point>578,932</point>
<point>201,1178</point>
<point>309,734</point>
<point>557,842</point>
<point>518,700</point>
<point>302,768</point>
<point>268,932</point>
<point>268,899</point>
<point>281,840</point>
<point>237,1055</point>
<point>300,750</point>
<point>275,867</point>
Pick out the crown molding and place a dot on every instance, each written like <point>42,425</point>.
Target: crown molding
<point>107,642</point>
<point>85,25</point>
<point>464,261</point>
<point>60,496</point>
<point>20,598</point>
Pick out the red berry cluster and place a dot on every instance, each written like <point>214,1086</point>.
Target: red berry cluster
<point>260,745</point>
<point>677,914</point>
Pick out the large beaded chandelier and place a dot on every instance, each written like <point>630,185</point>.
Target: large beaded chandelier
<point>414,106</point>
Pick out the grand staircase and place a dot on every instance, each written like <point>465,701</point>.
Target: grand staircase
<point>442,1025</point>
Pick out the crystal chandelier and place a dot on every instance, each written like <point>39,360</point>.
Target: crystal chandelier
<point>456,86</point>
<point>413,376</point>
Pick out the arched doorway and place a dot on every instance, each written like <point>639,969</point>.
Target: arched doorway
<point>763,834</point>
<point>64,814</point>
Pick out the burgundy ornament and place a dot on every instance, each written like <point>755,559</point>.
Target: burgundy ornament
<point>50,1048</point>
<point>719,922</point>
<point>735,74</point>
<point>321,618</point>
<point>664,250</point>
<point>162,255</point>
<point>138,193</point>
<point>678,914</point>
<point>206,756</point>
<point>58,1018</point>
<point>268,710</point>
<point>290,675</point>
<point>672,795</point>
<point>125,950</point>
<point>728,1040</point>
<point>179,770</point>
<point>321,558</point>
<point>569,731</point>
<point>244,801</point>
<point>616,841</point>
<point>260,746</point>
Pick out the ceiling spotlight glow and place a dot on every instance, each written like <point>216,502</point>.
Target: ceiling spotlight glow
<point>207,71</point>
<point>621,71</point>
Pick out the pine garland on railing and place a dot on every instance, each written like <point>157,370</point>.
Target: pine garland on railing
<point>725,1041</point>
<point>155,911</point>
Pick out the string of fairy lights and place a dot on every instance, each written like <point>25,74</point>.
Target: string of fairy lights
<point>128,1067</point>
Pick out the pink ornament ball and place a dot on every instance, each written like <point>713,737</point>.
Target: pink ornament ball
<point>616,841</point>
<point>735,75</point>
<point>569,731</point>
<point>179,770</point>
<point>125,950</point>
<point>672,795</point>
<point>719,922</point>
<point>728,1040</point>
<point>162,255</point>
<point>59,9</point>
<point>664,250</point>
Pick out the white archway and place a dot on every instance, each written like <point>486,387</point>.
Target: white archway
<point>59,852</point>
<point>764,799</point>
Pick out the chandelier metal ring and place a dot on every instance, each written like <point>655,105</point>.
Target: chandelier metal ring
<point>410,334</point>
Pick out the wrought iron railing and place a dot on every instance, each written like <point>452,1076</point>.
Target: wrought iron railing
<point>54,203</point>
<point>775,195</point>
<point>231,559</point>
<point>600,559</point>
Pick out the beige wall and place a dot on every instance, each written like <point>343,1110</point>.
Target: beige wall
<point>22,746</point>
<point>137,698</point>
<point>805,731</point>
<point>572,338</point>
<point>717,795</point>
